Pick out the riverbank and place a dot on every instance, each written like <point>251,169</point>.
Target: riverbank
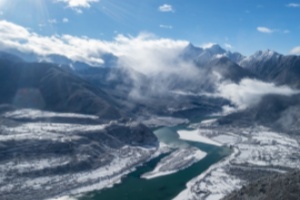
<point>164,187</point>
<point>257,152</point>
<point>179,159</point>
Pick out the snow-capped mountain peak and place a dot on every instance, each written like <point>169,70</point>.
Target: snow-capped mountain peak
<point>206,53</point>
<point>215,49</point>
<point>260,56</point>
<point>191,51</point>
<point>267,54</point>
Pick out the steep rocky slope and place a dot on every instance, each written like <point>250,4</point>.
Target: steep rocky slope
<point>273,67</point>
<point>46,86</point>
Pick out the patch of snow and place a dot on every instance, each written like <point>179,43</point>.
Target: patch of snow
<point>196,136</point>
<point>214,183</point>
<point>227,139</point>
<point>176,161</point>
<point>35,114</point>
<point>63,198</point>
<point>49,131</point>
<point>19,171</point>
<point>156,121</point>
<point>254,149</point>
<point>208,122</point>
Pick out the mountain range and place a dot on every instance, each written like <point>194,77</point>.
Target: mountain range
<point>111,90</point>
<point>47,86</point>
<point>201,81</point>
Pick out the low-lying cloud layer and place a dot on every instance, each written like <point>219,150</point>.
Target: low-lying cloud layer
<point>250,91</point>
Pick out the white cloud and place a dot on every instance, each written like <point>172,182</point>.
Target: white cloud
<point>208,45</point>
<point>52,21</point>
<point>249,92</point>
<point>132,51</point>
<point>157,58</point>
<point>17,37</point>
<point>166,26</point>
<point>295,50</point>
<point>78,3</point>
<point>228,46</point>
<point>65,20</point>
<point>293,5</point>
<point>264,29</point>
<point>166,8</point>
<point>79,11</point>
<point>163,53</point>
<point>12,31</point>
<point>269,31</point>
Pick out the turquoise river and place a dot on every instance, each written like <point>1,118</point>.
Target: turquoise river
<point>167,187</point>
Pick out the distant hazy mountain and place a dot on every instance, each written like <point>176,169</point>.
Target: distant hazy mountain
<point>273,67</point>
<point>216,64</point>
<point>9,57</point>
<point>121,88</point>
<point>268,65</point>
<point>274,111</point>
<point>46,86</point>
<point>228,70</point>
<point>202,56</point>
<point>109,60</point>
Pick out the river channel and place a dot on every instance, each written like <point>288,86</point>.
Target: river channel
<point>167,187</point>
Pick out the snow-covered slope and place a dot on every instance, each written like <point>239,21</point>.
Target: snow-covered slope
<point>203,55</point>
<point>256,152</point>
<point>271,66</point>
<point>260,56</point>
<point>45,158</point>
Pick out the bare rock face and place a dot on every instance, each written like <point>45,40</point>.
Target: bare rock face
<point>275,187</point>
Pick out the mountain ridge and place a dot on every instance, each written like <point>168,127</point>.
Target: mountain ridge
<point>52,88</point>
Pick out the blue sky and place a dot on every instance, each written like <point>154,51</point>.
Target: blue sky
<point>240,25</point>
